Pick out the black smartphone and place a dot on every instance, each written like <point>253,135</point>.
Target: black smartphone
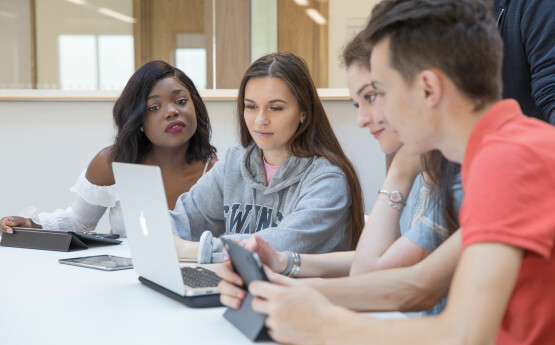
<point>246,263</point>
<point>249,266</point>
<point>100,262</point>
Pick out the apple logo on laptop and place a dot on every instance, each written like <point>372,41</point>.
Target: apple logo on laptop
<point>142,221</point>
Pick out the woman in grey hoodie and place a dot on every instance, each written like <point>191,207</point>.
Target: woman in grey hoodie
<point>289,180</point>
<point>399,232</point>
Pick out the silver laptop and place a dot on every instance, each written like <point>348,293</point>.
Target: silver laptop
<point>148,226</point>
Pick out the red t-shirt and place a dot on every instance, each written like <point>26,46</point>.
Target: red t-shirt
<point>508,177</point>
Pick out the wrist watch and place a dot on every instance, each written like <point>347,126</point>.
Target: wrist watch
<point>394,196</point>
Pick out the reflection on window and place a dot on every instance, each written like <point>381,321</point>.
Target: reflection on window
<point>190,57</point>
<point>67,45</point>
<point>264,28</point>
<point>15,43</point>
<point>192,61</point>
<point>78,62</point>
<point>89,62</point>
<point>116,61</point>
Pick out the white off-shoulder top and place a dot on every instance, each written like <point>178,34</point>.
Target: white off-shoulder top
<point>87,209</point>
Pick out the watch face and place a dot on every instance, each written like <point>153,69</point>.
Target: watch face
<point>395,196</point>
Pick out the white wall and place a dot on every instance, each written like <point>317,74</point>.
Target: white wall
<point>44,146</point>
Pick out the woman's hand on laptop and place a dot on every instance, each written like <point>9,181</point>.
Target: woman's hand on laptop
<point>7,223</point>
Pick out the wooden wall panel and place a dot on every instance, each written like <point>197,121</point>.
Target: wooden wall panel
<point>172,17</point>
<point>208,43</point>
<point>298,34</point>
<point>160,21</point>
<point>158,24</point>
<point>295,31</point>
<point>141,32</point>
<point>321,47</point>
<point>233,49</point>
<point>33,29</point>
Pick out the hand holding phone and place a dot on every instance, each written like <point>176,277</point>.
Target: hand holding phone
<point>249,266</point>
<point>246,263</point>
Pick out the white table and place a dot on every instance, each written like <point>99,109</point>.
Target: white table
<point>44,302</point>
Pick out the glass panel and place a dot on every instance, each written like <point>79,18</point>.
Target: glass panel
<point>116,61</point>
<point>77,51</point>
<point>190,57</point>
<point>347,18</point>
<point>192,61</point>
<point>15,43</point>
<point>264,28</point>
<point>90,44</point>
<point>84,44</point>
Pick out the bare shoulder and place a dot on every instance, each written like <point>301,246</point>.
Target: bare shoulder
<point>100,171</point>
<point>212,162</point>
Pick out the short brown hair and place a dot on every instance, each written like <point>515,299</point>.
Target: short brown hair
<point>357,51</point>
<point>315,136</point>
<point>459,37</point>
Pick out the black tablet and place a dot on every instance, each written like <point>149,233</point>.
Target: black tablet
<point>55,239</point>
<point>97,238</point>
<point>100,262</point>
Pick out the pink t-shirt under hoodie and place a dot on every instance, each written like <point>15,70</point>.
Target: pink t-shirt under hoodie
<point>270,171</point>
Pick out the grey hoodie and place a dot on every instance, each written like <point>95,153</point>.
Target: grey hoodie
<point>305,208</point>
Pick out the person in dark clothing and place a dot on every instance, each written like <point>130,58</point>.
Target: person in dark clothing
<point>528,31</point>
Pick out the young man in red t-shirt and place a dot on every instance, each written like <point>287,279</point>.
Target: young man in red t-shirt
<point>436,69</point>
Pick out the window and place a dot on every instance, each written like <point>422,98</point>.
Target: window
<point>98,44</point>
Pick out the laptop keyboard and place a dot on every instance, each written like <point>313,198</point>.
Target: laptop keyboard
<point>199,277</point>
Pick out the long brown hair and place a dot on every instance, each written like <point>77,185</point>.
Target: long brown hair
<point>443,175</point>
<point>315,136</point>
<point>441,172</point>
